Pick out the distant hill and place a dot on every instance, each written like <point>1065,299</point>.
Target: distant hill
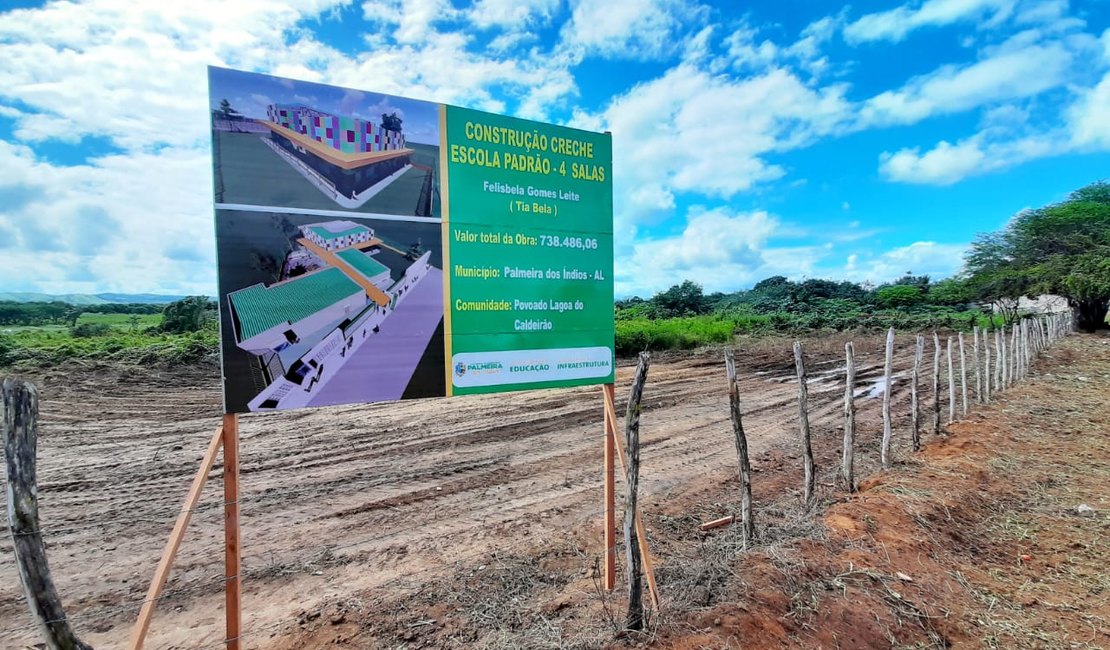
<point>90,299</point>
<point>156,298</point>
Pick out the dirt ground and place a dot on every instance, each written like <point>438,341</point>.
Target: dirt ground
<point>476,521</point>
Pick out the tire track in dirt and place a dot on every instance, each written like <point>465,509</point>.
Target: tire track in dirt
<point>404,487</point>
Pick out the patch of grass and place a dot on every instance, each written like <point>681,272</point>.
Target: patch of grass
<point>122,322</point>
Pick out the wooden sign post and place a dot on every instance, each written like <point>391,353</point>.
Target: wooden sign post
<point>612,442</point>
<point>233,606</point>
<point>227,437</point>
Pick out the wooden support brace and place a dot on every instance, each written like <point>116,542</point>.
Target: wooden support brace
<point>142,624</point>
<point>649,569</point>
<point>609,577</point>
<point>716,523</point>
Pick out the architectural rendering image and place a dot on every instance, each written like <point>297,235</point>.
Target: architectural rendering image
<point>349,318</point>
<point>296,144</point>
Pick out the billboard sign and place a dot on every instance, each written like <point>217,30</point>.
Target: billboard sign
<point>374,248</point>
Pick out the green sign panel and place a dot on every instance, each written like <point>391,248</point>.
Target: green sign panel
<point>374,247</point>
<point>529,230</point>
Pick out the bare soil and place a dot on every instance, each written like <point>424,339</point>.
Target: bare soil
<point>476,521</point>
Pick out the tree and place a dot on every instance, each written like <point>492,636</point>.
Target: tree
<point>1060,249</point>
<point>682,300</point>
<point>185,315</point>
<point>951,292</point>
<point>898,295</point>
<point>391,122</point>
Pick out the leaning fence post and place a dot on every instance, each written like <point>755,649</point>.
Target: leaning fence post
<point>918,353</point>
<point>803,420</point>
<point>887,371</point>
<point>936,383</point>
<point>848,458</point>
<point>19,412</point>
<point>747,526</point>
<point>635,618</point>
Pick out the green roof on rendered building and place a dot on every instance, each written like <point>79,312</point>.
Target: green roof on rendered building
<point>362,262</point>
<point>259,308</point>
<point>328,235</point>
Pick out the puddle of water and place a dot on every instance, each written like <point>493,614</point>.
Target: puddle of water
<point>879,387</point>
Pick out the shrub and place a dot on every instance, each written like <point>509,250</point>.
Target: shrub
<point>87,330</point>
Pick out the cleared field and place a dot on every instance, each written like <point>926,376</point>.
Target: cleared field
<point>373,526</point>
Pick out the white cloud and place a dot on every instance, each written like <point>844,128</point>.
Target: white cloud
<point>937,260</point>
<point>691,131</point>
<point>895,24</point>
<point>512,14</point>
<point>630,29</point>
<point>1008,74</point>
<point>413,20</point>
<point>129,222</point>
<point>948,163</point>
<point>1089,117</point>
<point>718,248</point>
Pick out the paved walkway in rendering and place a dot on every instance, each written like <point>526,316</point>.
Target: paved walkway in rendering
<point>380,369</point>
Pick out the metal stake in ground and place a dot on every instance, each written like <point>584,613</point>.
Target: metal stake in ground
<point>887,372</point>
<point>635,618</point>
<point>918,353</point>
<point>803,423</point>
<point>19,412</point>
<point>747,526</point>
<point>848,458</point>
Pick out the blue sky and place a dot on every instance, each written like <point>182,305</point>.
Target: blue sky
<point>795,138</point>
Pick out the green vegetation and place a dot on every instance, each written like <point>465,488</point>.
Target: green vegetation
<point>1061,249</point>
<point>184,331</point>
<point>683,317</point>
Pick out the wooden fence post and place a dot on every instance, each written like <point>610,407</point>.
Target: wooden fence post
<point>888,368</point>
<point>987,367</point>
<point>803,423</point>
<point>1000,348</point>
<point>977,366</point>
<point>747,526</point>
<point>951,386</point>
<point>936,384</point>
<point>848,456</point>
<point>963,375</point>
<point>19,412</point>
<point>635,618</point>
<point>918,353</point>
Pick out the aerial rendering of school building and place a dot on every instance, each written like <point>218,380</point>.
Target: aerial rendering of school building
<point>343,156</point>
<point>303,329</point>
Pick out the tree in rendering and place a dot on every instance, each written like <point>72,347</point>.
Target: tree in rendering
<point>391,122</point>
